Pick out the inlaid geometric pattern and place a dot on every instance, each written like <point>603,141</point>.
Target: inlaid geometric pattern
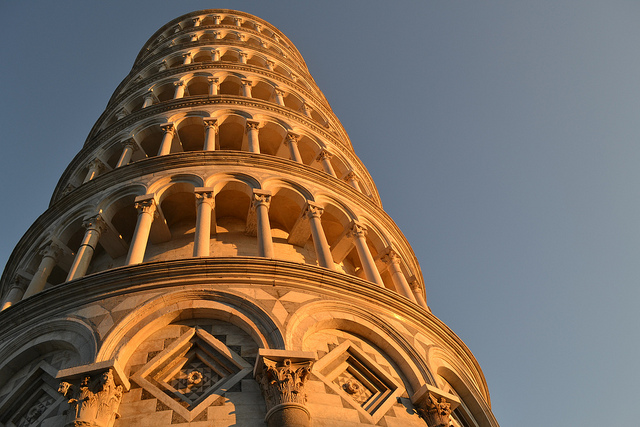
<point>192,372</point>
<point>359,379</point>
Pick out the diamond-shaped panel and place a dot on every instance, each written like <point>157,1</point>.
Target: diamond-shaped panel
<point>193,371</point>
<point>359,379</point>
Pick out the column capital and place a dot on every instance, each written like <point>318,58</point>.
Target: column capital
<point>96,164</point>
<point>204,195</point>
<point>19,282</point>
<point>178,83</point>
<point>324,155</point>
<point>414,284</point>
<point>313,210</point>
<point>252,125</point>
<point>187,54</point>
<point>94,398</point>
<point>261,197</point>
<point>196,21</point>
<point>352,176</point>
<point>95,222</point>
<point>292,137</point>
<point>213,80</point>
<point>211,123</point>
<point>216,35</point>
<point>145,204</point>
<point>148,94</point>
<point>390,255</point>
<point>434,405</point>
<point>282,376</point>
<point>358,229</point>
<point>306,108</point>
<point>271,65</point>
<point>279,92</point>
<point>167,128</point>
<point>129,142</point>
<point>237,21</point>
<point>194,38</point>
<point>50,250</point>
<point>246,82</point>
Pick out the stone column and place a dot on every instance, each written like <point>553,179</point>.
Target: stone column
<point>50,254</point>
<point>325,158</point>
<point>246,88</point>
<point>271,65</point>
<point>163,66</point>
<point>213,86</point>
<point>93,399</point>
<point>359,232</point>
<point>237,21</point>
<point>261,202</point>
<point>215,55</point>
<point>179,92</point>
<point>194,37</point>
<point>306,110</point>
<point>16,292</point>
<point>148,99</point>
<point>323,251</point>
<point>258,27</point>
<point>416,288</point>
<point>167,139</point>
<point>243,57</point>
<point>292,142</point>
<point>216,35</point>
<point>216,19</point>
<point>146,207</point>
<point>204,205</point>
<point>121,114</point>
<point>210,132</point>
<point>392,259</point>
<point>352,179</point>
<point>196,21</point>
<point>282,381</point>
<point>95,167</point>
<point>279,97</point>
<point>252,135</point>
<point>95,226</point>
<point>128,148</point>
<point>187,58</point>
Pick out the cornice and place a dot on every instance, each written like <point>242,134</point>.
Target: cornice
<point>56,301</point>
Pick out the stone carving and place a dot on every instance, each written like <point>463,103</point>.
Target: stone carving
<point>284,382</point>
<point>94,400</point>
<point>436,412</point>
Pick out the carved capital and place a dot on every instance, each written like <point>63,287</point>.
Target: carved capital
<point>216,35</point>
<point>94,223</point>
<point>391,256</point>
<point>261,198</point>
<point>292,137</point>
<point>145,205</point>
<point>313,210</point>
<point>324,155</point>
<point>51,251</point>
<point>96,164</point>
<point>306,109</point>
<point>352,176</point>
<point>93,399</point>
<point>196,21</point>
<point>237,21</point>
<point>194,38</point>
<point>358,230</point>
<point>168,128</point>
<point>213,80</point>
<point>283,381</point>
<point>129,143</point>
<point>246,82</point>
<point>279,92</point>
<point>204,195</point>
<point>178,83</point>
<point>211,124</point>
<point>434,405</point>
<point>252,125</point>
<point>270,64</point>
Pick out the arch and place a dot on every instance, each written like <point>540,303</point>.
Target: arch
<point>319,315</point>
<point>231,132</point>
<point>59,334</point>
<point>160,311</point>
<point>191,133</point>
<point>271,136</point>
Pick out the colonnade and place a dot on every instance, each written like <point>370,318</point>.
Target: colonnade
<point>258,224</point>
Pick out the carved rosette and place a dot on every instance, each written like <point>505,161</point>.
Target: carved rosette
<point>93,400</point>
<point>435,411</point>
<point>284,382</point>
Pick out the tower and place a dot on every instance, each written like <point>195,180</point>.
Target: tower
<point>217,253</point>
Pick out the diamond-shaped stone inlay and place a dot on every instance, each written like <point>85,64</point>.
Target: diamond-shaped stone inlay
<point>359,379</point>
<point>192,372</point>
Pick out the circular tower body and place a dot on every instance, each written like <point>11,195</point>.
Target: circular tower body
<point>216,254</point>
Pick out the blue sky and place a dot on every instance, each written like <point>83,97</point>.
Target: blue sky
<point>503,137</point>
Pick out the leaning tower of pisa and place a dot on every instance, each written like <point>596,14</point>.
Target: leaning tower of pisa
<point>216,254</point>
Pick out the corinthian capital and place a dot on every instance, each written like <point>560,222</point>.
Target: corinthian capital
<point>145,204</point>
<point>358,230</point>
<point>252,125</point>
<point>168,128</point>
<point>292,137</point>
<point>313,210</point>
<point>261,198</point>
<point>93,399</point>
<point>284,381</point>
<point>434,405</point>
<point>324,155</point>
<point>94,223</point>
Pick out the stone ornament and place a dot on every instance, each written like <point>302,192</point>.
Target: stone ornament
<point>284,382</point>
<point>435,411</point>
<point>93,400</point>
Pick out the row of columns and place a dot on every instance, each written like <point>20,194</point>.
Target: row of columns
<point>243,57</point>
<point>258,224</point>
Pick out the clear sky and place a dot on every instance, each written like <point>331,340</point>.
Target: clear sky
<point>503,137</point>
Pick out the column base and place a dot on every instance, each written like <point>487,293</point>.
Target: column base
<point>288,415</point>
